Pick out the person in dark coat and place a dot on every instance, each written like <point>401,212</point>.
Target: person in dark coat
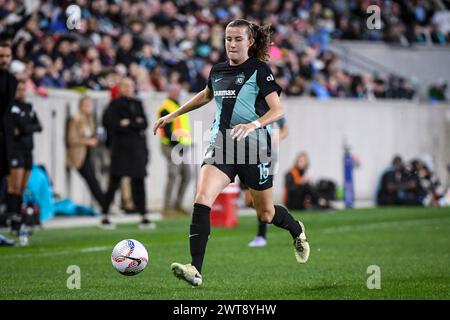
<point>126,123</point>
<point>399,186</point>
<point>8,84</point>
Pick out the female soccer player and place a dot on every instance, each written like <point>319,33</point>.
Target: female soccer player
<point>247,102</point>
<point>25,123</point>
<point>260,239</point>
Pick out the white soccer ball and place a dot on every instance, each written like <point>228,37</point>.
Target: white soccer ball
<point>129,257</point>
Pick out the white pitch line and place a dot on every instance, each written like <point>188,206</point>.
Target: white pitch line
<point>347,228</point>
<point>381,225</point>
<point>95,249</point>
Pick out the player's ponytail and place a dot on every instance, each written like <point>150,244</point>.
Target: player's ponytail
<point>261,36</point>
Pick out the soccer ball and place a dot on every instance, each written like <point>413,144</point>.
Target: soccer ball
<point>129,257</point>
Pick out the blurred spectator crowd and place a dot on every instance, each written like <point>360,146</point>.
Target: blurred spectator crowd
<point>410,183</point>
<point>160,42</point>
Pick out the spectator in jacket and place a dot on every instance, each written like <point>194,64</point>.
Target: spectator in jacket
<point>300,193</point>
<point>8,85</point>
<point>399,186</point>
<point>81,139</point>
<point>176,135</point>
<point>126,123</point>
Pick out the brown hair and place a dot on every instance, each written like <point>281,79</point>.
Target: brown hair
<point>261,35</point>
<point>90,117</point>
<point>300,155</point>
<point>5,44</point>
<point>83,99</point>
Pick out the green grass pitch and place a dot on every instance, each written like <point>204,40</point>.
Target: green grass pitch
<point>411,246</point>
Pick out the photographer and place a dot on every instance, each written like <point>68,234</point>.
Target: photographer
<point>399,186</point>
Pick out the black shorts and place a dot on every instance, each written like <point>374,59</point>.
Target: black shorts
<point>254,176</point>
<point>21,160</point>
<point>251,165</point>
<point>242,186</point>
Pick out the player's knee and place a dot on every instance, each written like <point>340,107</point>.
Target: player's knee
<point>265,214</point>
<point>248,203</point>
<point>204,198</point>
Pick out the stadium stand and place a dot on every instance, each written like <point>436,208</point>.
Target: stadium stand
<point>152,41</point>
<point>161,42</point>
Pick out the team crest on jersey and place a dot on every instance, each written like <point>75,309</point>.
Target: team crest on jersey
<point>240,79</point>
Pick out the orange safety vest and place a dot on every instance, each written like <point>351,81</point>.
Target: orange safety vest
<point>296,175</point>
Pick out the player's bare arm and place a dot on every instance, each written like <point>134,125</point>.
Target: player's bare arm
<point>275,113</point>
<point>197,101</point>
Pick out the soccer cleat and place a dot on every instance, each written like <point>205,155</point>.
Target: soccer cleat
<point>258,242</point>
<point>107,225</point>
<point>24,236</point>
<point>6,242</point>
<point>147,224</point>
<point>301,246</point>
<point>187,272</point>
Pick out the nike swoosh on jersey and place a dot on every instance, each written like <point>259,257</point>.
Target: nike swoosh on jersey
<point>216,80</point>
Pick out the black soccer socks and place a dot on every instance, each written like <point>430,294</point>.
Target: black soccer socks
<point>13,202</point>
<point>13,211</point>
<point>284,220</point>
<point>262,229</point>
<point>199,234</point>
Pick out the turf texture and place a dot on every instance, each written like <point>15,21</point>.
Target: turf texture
<point>409,246</point>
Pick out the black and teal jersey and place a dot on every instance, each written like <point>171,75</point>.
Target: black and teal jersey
<point>239,93</point>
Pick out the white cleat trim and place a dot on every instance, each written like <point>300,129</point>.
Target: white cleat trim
<point>187,273</point>
<point>302,256</point>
